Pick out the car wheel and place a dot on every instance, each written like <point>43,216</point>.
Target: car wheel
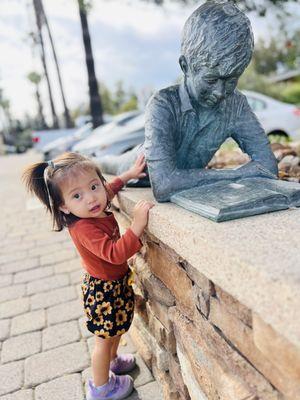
<point>278,137</point>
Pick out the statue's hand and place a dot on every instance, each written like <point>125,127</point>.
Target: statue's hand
<point>253,169</point>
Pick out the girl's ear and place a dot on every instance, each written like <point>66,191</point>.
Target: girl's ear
<point>64,209</point>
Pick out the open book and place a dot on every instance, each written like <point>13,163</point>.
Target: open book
<point>225,200</point>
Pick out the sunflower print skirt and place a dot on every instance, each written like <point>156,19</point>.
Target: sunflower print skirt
<point>108,305</point>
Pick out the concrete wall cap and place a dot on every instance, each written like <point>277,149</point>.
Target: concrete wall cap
<point>254,259</point>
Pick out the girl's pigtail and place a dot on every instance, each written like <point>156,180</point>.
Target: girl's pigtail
<point>35,179</point>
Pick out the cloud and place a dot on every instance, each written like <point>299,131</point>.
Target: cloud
<point>138,45</point>
<point>133,41</point>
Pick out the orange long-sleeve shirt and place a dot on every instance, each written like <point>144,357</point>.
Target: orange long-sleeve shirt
<point>103,251</point>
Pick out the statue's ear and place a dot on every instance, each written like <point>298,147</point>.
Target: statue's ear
<point>183,64</point>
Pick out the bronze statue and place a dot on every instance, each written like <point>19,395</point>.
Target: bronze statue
<point>186,123</point>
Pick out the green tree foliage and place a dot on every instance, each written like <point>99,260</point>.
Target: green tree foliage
<point>293,54</point>
<point>117,101</point>
<point>252,80</point>
<point>131,103</point>
<point>283,53</point>
<point>266,57</point>
<point>119,96</point>
<point>107,100</point>
<point>270,58</point>
<point>261,7</point>
<point>288,92</point>
<point>291,93</point>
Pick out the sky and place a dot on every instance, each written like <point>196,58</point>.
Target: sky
<point>133,41</point>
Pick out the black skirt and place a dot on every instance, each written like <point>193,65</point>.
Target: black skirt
<point>108,305</point>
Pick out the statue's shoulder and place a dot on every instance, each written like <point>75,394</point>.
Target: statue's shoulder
<point>238,94</point>
<point>235,103</point>
<point>167,96</point>
<point>238,97</point>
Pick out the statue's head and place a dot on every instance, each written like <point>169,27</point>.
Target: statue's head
<point>216,47</point>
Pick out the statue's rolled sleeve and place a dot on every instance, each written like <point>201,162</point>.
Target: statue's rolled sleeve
<point>159,145</point>
<point>252,139</point>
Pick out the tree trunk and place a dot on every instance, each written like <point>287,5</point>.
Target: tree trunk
<point>37,10</point>
<point>95,101</point>
<point>68,121</point>
<point>42,120</point>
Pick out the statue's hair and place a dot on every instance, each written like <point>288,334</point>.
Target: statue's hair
<point>217,31</point>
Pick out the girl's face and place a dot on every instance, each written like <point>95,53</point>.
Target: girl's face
<point>84,195</point>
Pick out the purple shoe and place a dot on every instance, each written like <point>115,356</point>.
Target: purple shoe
<point>122,363</point>
<point>117,388</point>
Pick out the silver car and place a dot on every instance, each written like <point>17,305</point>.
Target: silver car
<point>62,144</point>
<point>277,118</point>
<point>101,137</point>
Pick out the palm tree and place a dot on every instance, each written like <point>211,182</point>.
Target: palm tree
<point>36,78</point>
<point>95,101</point>
<point>68,120</point>
<point>40,41</point>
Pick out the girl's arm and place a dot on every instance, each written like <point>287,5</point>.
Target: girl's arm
<point>101,245</point>
<point>115,252</point>
<point>135,172</point>
<point>114,187</point>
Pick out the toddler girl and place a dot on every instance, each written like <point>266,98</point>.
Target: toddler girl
<point>78,197</point>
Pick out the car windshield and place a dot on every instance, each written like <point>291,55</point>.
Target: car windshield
<point>124,118</point>
<point>83,130</point>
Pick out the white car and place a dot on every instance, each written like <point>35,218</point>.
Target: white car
<point>276,117</point>
<point>65,143</point>
<point>101,136</point>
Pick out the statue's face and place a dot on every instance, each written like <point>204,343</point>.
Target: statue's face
<point>208,86</point>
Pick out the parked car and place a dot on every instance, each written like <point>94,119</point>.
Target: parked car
<point>62,144</point>
<point>82,120</point>
<point>22,141</point>
<point>116,145</point>
<point>43,137</point>
<point>9,149</point>
<point>276,117</point>
<point>118,127</point>
<point>18,142</point>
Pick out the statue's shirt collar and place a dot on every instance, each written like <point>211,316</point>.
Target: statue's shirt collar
<point>185,102</point>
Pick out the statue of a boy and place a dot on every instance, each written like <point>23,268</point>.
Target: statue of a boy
<point>187,123</point>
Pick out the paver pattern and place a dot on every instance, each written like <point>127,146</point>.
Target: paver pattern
<point>45,348</point>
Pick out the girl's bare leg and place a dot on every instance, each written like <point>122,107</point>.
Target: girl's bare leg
<point>114,347</point>
<point>100,360</point>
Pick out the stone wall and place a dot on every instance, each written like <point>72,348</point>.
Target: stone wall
<point>217,305</point>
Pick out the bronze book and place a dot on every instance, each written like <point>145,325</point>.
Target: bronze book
<point>226,200</point>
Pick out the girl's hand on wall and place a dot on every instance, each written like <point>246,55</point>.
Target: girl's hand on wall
<point>140,216</point>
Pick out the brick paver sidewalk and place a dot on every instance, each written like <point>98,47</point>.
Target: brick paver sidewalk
<point>45,348</point>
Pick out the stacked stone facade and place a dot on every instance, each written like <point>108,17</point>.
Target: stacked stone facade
<point>200,342</point>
